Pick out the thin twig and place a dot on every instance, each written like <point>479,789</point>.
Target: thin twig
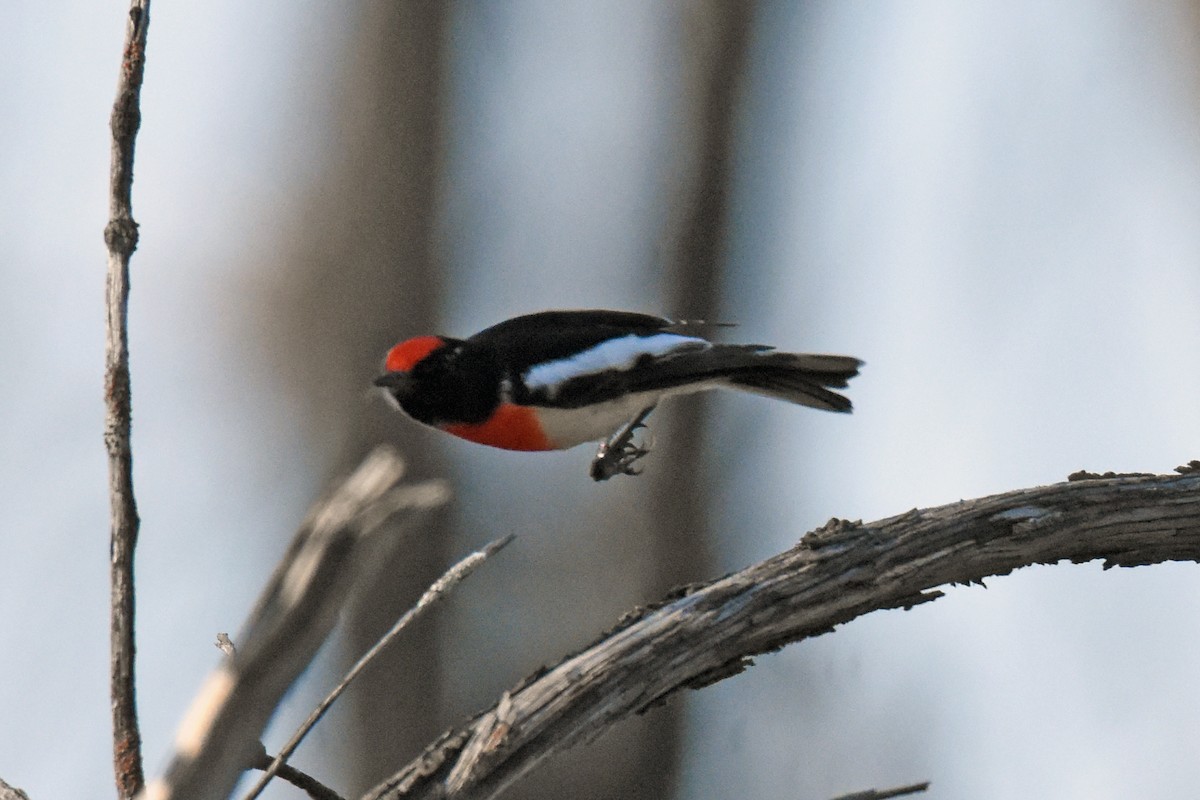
<point>121,237</point>
<point>440,588</point>
<point>261,760</point>
<point>301,780</point>
<point>885,794</point>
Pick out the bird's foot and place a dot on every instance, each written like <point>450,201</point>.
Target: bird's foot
<point>618,455</point>
<point>610,461</point>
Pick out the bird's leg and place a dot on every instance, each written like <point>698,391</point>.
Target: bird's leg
<point>616,456</point>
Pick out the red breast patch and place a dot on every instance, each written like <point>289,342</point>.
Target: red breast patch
<point>512,427</point>
<point>404,356</point>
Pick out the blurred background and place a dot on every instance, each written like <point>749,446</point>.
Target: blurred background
<point>994,205</point>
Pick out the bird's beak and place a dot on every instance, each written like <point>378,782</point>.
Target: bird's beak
<point>398,383</point>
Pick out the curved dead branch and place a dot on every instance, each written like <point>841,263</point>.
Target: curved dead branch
<point>843,570</point>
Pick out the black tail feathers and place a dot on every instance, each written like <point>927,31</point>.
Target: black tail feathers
<point>800,378</point>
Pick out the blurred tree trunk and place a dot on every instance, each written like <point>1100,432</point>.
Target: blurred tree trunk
<point>363,272</point>
<point>717,40</point>
<point>640,759</point>
<point>716,49</point>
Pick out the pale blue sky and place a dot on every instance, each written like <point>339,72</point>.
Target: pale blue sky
<point>994,206</point>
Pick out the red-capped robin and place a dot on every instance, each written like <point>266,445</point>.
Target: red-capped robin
<point>556,379</point>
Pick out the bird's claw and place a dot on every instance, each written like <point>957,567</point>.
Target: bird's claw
<point>618,455</point>
<point>616,460</point>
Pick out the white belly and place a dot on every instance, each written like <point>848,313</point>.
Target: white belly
<point>567,427</point>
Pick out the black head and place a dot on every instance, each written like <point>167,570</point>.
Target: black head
<point>439,381</point>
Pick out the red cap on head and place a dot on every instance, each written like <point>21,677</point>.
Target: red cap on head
<point>404,356</point>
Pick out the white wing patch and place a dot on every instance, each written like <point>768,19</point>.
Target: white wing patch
<point>614,354</point>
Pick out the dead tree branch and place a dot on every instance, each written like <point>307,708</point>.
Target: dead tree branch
<point>707,632</point>
<point>219,737</point>
<point>121,237</point>
<point>11,792</point>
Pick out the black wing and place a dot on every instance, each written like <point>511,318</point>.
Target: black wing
<point>522,342</point>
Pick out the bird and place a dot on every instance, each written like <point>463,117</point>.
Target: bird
<point>553,380</point>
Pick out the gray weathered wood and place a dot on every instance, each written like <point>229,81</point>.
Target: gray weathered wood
<point>11,792</point>
<point>843,570</point>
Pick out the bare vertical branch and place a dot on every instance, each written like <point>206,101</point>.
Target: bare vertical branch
<point>121,237</point>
